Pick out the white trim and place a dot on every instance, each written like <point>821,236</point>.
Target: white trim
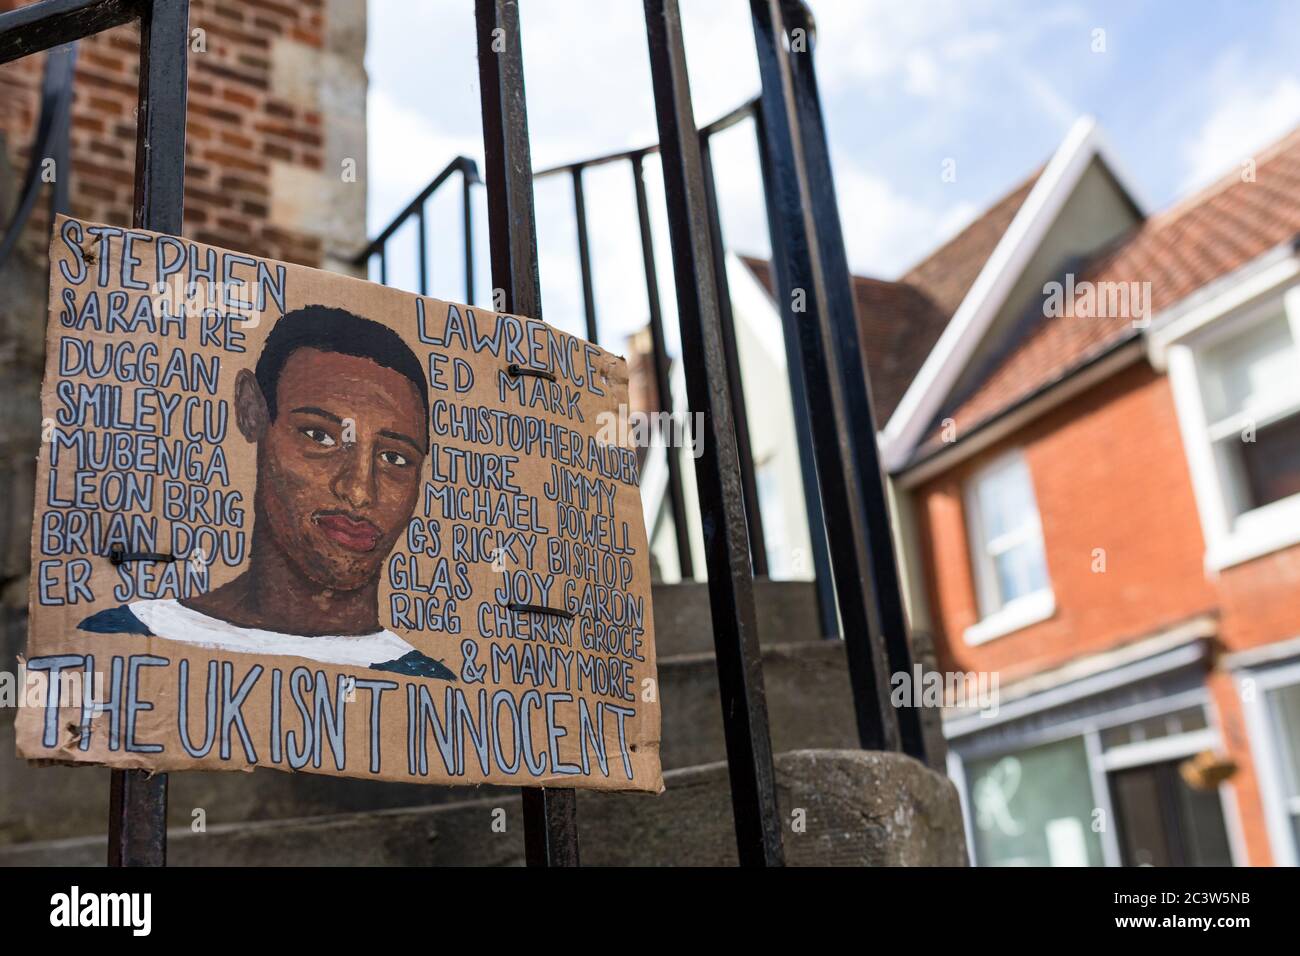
<point>1100,762</point>
<point>1264,656</point>
<point>1277,527</point>
<point>1160,749</point>
<point>1188,653</point>
<point>999,617</point>
<point>1016,616</point>
<point>988,293</point>
<point>1229,539</point>
<point>1197,629</point>
<point>957,774</point>
<point>1263,275</point>
<point>1232,824</point>
<point>752,305</point>
<point>1111,855</point>
<point>1232,818</point>
<point>1264,752</point>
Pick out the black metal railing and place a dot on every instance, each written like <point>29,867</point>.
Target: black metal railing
<point>377,248</point>
<point>137,821</point>
<point>377,253</point>
<point>848,517</point>
<point>828,379</point>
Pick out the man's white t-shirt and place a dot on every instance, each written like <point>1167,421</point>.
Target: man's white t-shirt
<point>171,620</point>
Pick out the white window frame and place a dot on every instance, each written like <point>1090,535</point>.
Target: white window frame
<point>1230,539</point>
<point>997,618</point>
<point>1254,686</point>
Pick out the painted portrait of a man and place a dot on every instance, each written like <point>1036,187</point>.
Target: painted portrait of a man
<point>338,409</point>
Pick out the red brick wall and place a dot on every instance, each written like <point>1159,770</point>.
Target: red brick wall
<point>1245,783</point>
<point>237,125</point>
<point>1109,471</point>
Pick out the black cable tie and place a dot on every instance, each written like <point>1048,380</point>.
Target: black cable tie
<point>540,609</point>
<point>119,555</point>
<point>517,370</point>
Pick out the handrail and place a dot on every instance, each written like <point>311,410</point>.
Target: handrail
<point>749,109</point>
<point>469,169</point>
<point>724,122</point>
<point>462,164</point>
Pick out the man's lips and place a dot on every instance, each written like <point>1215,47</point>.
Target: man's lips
<point>353,534</point>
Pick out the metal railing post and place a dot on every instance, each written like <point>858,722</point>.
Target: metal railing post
<point>422,250</point>
<point>468,177</point>
<point>662,372</point>
<point>885,589</point>
<point>50,141</point>
<point>137,827</point>
<point>844,436</point>
<point>823,574</point>
<point>550,815</point>
<point>584,255</point>
<point>735,381</point>
<point>717,471</point>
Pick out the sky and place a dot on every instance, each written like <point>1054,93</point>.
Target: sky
<point>984,90</point>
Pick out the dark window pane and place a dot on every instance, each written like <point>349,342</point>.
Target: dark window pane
<point>1272,462</point>
<point>1164,822</point>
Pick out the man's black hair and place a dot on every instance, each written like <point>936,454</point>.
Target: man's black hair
<point>336,330</point>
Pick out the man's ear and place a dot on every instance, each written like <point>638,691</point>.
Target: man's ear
<point>250,407</point>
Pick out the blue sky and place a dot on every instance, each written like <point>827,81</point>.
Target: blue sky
<point>1185,90</point>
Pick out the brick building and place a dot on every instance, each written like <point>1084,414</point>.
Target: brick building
<point>276,127</point>
<point>1090,415</point>
<point>1106,515</point>
<point>276,105</point>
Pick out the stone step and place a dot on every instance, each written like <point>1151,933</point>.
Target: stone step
<point>838,807</point>
<point>809,707</point>
<point>786,611</point>
<point>809,702</point>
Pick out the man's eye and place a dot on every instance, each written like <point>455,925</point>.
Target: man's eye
<point>394,458</point>
<point>319,436</point>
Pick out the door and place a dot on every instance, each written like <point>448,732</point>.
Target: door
<point>1163,822</point>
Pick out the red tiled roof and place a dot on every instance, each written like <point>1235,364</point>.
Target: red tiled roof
<point>900,321</point>
<point>1179,251</point>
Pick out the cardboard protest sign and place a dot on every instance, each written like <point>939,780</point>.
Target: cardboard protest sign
<point>291,519</point>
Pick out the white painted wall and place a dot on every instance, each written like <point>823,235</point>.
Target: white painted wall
<point>771,425</point>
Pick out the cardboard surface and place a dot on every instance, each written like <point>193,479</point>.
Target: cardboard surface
<point>393,555</point>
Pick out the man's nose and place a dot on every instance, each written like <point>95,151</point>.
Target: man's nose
<point>354,481</point>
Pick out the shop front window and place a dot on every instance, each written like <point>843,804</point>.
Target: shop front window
<point>1034,808</point>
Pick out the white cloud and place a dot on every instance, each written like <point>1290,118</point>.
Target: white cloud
<point>883,228</point>
<point>589,93</point>
<point>1247,116</point>
<point>406,151</point>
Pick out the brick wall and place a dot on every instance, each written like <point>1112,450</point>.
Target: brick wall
<point>1109,471</point>
<point>276,104</point>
